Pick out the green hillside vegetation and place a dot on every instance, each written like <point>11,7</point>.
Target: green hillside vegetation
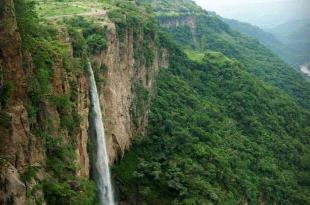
<point>218,135</point>
<point>265,38</point>
<point>229,124</point>
<point>213,34</point>
<point>219,132</point>
<point>174,7</point>
<point>54,8</point>
<point>194,55</point>
<point>295,35</point>
<point>292,45</point>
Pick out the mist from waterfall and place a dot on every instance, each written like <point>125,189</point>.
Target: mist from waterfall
<point>101,162</point>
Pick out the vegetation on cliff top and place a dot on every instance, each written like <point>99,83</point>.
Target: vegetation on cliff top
<point>217,133</point>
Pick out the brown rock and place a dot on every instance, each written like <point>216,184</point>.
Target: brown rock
<point>12,190</point>
<point>10,49</point>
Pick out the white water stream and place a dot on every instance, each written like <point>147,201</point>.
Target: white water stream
<point>101,164</point>
<point>305,69</point>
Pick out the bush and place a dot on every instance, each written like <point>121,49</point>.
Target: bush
<point>78,42</point>
<point>96,43</point>
<point>60,157</point>
<point>77,192</point>
<point>86,35</point>
<point>5,94</point>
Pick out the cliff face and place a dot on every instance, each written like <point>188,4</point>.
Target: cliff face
<point>20,147</point>
<point>124,79</point>
<point>175,22</point>
<point>17,147</point>
<point>125,108</point>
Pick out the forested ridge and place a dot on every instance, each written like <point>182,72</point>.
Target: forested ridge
<point>219,131</point>
<point>228,121</point>
<point>218,135</point>
<point>206,31</point>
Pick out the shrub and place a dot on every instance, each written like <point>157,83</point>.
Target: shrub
<point>77,192</point>
<point>96,43</point>
<point>86,35</point>
<point>78,42</point>
<point>5,94</point>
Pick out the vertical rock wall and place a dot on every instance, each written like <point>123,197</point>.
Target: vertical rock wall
<point>21,149</point>
<point>119,94</point>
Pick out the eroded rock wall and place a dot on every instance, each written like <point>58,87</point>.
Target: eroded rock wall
<point>119,95</point>
<point>125,111</point>
<point>20,147</point>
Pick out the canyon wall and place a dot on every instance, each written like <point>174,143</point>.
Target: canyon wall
<point>124,114</point>
<point>125,109</point>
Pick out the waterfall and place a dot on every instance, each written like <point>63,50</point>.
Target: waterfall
<point>101,161</point>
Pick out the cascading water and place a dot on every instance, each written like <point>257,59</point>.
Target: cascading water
<point>101,162</point>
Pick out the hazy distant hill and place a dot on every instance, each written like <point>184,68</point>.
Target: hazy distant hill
<point>290,41</point>
<point>266,38</point>
<point>295,35</point>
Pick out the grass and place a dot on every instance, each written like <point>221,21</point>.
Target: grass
<point>51,9</point>
<point>216,58</point>
<point>195,55</point>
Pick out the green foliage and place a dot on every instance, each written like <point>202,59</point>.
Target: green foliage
<point>130,17</point>
<point>29,174</point>
<point>79,192</point>
<point>53,8</point>
<point>218,135</point>
<point>26,18</point>
<point>5,94</point>
<point>211,33</point>
<point>174,7</point>
<point>78,41</point>
<point>61,157</point>
<point>68,118</point>
<point>265,38</point>
<point>5,125</point>
<point>96,43</point>
<point>140,103</point>
<point>84,34</point>
<point>294,35</point>
<point>65,187</point>
<point>40,87</point>
<point>194,55</point>
<point>41,40</point>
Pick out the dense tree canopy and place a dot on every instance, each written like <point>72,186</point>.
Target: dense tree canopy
<point>218,135</point>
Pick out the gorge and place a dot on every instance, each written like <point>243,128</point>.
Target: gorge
<point>160,98</point>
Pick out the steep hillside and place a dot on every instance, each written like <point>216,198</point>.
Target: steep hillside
<point>218,135</point>
<point>265,38</point>
<point>45,107</point>
<point>205,31</point>
<point>290,46</point>
<point>295,35</point>
<point>193,112</point>
<point>219,131</point>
